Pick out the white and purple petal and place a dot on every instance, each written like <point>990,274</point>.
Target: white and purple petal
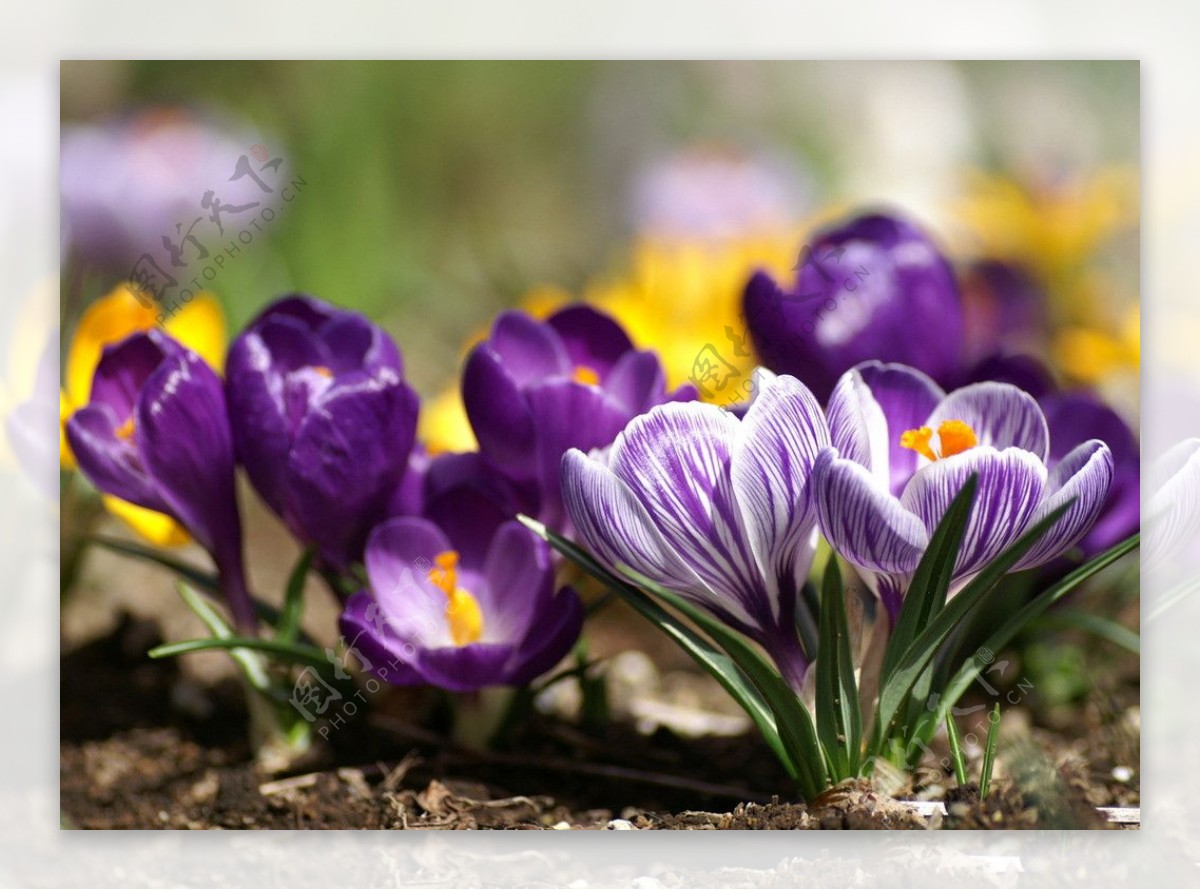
<point>782,433</point>
<point>1001,415</point>
<point>1083,477</point>
<point>862,520</point>
<point>1011,486</point>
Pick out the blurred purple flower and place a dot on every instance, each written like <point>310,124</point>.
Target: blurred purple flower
<point>717,192</point>
<point>535,389</point>
<point>875,287</point>
<point>713,507</point>
<point>903,448</point>
<point>156,433</point>
<point>323,421</point>
<point>32,426</point>
<point>461,597</point>
<point>128,182</point>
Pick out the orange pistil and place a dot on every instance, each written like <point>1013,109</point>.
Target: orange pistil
<point>125,430</point>
<point>462,610</point>
<point>954,437</point>
<point>586,375</point>
<point>323,370</point>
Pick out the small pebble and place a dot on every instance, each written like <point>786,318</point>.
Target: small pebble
<point>1122,773</point>
<point>563,826</point>
<point>620,825</point>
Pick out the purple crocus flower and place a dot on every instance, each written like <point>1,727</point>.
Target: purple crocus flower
<point>713,507</point>
<point>875,287</point>
<point>1077,416</point>
<point>323,421</point>
<point>902,449</point>
<point>535,389</point>
<point>462,597</point>
<point>156,433</point>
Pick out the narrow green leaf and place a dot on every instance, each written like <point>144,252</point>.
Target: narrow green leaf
<point>206,582</point>
<point>839,722</point>
<point>989,753</point>
<point>195,576</point>
<point>293,601</point>
<point>794,723</point>
<point>956,751</point>
<point>922,649</point>
<point>719,665</point>
<point>926,594</point>
<point>292,652</point>
<point>250,665</point>
<point>1097,625</point>
<point>1003,635</point>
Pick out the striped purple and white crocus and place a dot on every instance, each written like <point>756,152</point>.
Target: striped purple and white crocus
<point>713,507</point>
<point>902,449</point>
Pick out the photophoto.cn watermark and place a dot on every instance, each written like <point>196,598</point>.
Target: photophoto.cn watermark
<point>213,238</point>
<point>332,704</point>
<point>712,372</point>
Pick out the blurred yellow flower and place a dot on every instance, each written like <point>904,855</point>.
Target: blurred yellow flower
<point>1064,234</point>
<point>199,325</point>
<point>1053,229</point>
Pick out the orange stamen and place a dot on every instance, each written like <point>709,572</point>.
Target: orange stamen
<point>586,375</point>
<point>954,437</point>
<point>462,610</point>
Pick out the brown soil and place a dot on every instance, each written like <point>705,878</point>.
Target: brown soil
<point>144,746</point>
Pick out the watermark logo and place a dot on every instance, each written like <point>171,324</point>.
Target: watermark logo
<point>191,249</point>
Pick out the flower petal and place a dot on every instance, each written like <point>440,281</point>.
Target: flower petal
<point>465,668</point>
<point>125,367</point>
<point>896,398</point>
<point>616,527</point>
<point>781,435</point>
<point>519,582</point>
<point>389,656</point>
<point>636,381</point>
<point>184,442</point>
<point>530,350</point>
<point>349,455</point>
<point>568,415</point>
<point>676,460</point>
<point>399,556</point>
<point>109,462</point>
<point>862,520</point>
<point>1084,475</point>
<point>1001,415</point>
<point>1173,511</point>
<point>592,339</point>
<point>549,641</point>
<point>1011,485</point>
<point>499,413</point>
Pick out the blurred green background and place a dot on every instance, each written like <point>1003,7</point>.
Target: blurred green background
<point>438,192</point>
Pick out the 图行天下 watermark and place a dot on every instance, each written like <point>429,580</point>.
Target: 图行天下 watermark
<point>713,372</point>
<point>192,252</point>
<point>330,702</point>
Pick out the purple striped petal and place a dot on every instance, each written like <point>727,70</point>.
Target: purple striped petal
<point>1085,476</point>
<point>676,460</point>
<point>862,520</point>
<point>614,525</point>
<point>781,435</point>
<point>1011,485</point>
<point>1001,415</point>
<point>906,397</point>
